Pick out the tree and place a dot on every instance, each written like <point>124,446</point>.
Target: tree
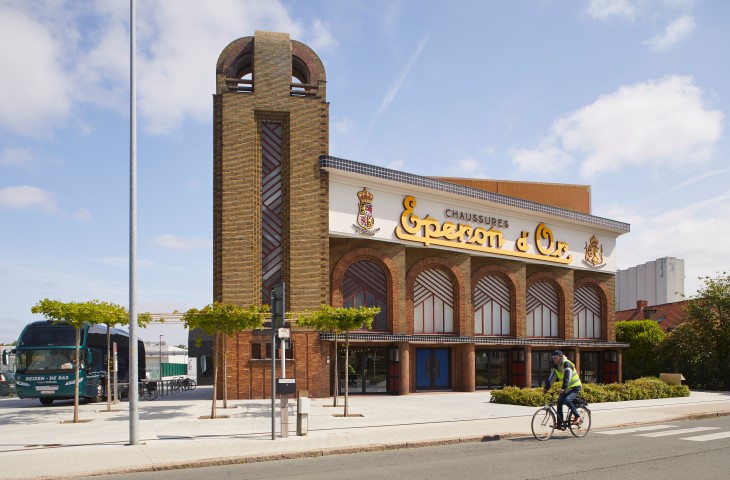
<point>75,314</point>
<point>111,315</point>
<point>219,319</point>
<point>708,314</point>
<point>684,351</point>
<point>340,320</point>
<point>78,314</point>
<point>645,337</point>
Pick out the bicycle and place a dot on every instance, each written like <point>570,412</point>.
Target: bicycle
<point>544,421</point>
<point>147,390</point>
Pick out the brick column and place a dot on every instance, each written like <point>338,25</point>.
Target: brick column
<point>405,368</point>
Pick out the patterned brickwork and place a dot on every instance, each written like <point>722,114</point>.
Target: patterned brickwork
<point>313,265</point>
<point>237,161</point>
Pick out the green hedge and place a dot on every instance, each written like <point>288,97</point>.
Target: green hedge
<point>640,389</point>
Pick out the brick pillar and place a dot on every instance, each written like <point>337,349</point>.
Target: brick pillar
<point>468,355</point>
<point>405,368</point>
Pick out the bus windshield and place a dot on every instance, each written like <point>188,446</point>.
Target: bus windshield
<point>50,360</point>
<point>46,335</point>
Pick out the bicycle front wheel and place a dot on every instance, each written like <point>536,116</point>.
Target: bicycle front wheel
<point>543,423</point>
<point>580,430</point>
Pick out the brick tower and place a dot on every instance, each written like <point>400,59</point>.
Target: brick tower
<point>270,208</point>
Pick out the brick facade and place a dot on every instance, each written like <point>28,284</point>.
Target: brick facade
<point>253,86</point>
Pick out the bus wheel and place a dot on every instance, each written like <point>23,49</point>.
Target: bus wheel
<point>99,393</point>
<point>46,401</point>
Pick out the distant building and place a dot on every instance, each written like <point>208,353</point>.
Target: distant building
<point>657,282</point>
<point>163,360</point>
<point>667,315</point>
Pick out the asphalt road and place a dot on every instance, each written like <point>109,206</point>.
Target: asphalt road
<point>667,451</point>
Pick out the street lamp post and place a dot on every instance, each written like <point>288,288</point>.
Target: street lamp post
<point>161,357</point>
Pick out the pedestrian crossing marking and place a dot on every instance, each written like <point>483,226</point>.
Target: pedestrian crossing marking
<point>709,436</point>
<point>681,431</point>
<point>636,429</point>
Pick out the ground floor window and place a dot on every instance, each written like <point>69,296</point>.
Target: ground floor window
<point>492,369</point>
<point>541,364</point>
<point>589,367</point>
<point>368,370</point>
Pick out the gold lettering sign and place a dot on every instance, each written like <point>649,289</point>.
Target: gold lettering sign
<point>429,231</point>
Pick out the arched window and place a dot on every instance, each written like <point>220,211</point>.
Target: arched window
<point>365,284</point>
<point>433,302</point>
<point>492,306</point>
<point>542,310</point>
<point>587,313</point>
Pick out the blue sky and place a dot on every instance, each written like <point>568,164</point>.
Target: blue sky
<point>628,96</point>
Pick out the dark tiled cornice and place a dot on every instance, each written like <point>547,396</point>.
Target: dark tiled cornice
<point>335,163</point>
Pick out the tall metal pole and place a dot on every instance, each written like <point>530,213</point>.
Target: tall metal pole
<point>161,357</point>
<point>133,353</point>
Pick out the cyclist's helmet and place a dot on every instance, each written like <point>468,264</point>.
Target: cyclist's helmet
<point>557,353</point>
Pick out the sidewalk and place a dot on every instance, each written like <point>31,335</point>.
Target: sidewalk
<point>37,442</point>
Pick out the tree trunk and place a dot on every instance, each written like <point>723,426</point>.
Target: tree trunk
<point>76,371</point>
<point>337,373</point>
<point>224,339</point>
<point>215,375</point>
<point>347,369</point>
<point>108,368</point>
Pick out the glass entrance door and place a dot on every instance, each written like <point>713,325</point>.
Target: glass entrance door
<point>367,370</point>
<point>491,369</point>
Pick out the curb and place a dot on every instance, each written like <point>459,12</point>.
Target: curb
<point>238,460</point>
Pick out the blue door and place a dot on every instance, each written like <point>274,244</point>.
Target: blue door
<point>433,368</point>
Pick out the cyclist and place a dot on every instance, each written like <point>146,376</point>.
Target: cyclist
<point>564,370</point>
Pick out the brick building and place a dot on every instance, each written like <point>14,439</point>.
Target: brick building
<point>476,288</point>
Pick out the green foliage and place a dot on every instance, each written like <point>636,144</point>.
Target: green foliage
<point>225,318</point>
<point>639,389</point>
<point>645,337</point>
<point>329,318</point>
<point>700,350</point>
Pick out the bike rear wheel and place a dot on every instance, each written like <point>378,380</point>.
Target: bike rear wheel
<point>580,430</point>
<point>543,424</point>
<point>148,391</point>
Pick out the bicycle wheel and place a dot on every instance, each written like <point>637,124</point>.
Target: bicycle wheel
<point>192,384</point>
<point>543,423</point>
<point>582,429</point>
<point>146,392</point>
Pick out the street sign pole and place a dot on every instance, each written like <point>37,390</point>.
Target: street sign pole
<point>278,298</point>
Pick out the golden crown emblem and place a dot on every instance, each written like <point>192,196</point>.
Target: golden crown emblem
<point>594,241</point>
<point>365,196</point>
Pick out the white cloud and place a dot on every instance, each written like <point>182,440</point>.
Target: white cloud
<point>82,215</point>
<point>321,37</point>
<point>605,9</point>
<point>662,123</point>
<point>174,242</point>
<point>342,126</point>
<point>79,54</point>
<point>16,157</point>
<point>28,198</point>
<point>688,233</point>
<point>466,168</point>
<point>675,32</point>
<point>35,87</point>
<point>542,159</point>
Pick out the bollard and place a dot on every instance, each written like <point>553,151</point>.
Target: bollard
<point>302,412</point>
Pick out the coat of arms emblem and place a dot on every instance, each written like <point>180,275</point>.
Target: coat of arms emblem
<point>365,219</point>
<point>594,253</point>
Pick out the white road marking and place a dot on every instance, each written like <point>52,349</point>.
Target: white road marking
<point>709,436</point>
<point>681,431</point>
<point>636,429</point>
